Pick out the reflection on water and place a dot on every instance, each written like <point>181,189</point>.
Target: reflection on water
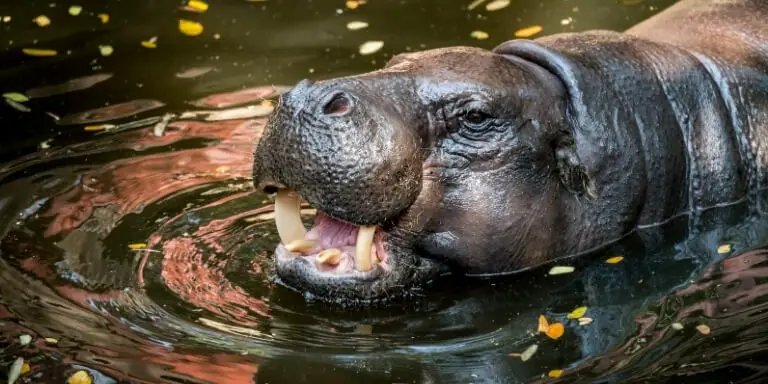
<point>132,236</point>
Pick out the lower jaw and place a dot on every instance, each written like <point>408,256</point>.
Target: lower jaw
<point>290,263</point>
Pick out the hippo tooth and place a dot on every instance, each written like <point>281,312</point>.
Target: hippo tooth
<point>363,248</point>
<point>329,256</point>
<point>301,245</point>
<point>288,216</point>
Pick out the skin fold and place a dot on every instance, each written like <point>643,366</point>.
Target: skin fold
<point>490,162</point>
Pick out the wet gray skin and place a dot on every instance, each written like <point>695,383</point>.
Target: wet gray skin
<point>491,162</point>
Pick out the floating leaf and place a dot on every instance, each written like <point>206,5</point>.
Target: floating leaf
<point>355,25</point>
<point>555,331</point>
<point>370,47</point>
<point>15,96</point>
<point>725,248</point>
<point>529,352</point>
<point>561,270</point>
<point>614,260</point>
<point>25,339</point>
<point>555,373</point>
<point>51,340</point>
<point>39,52</point>
<point>25,368</point>
<point>496,5</point>
<point>190,28</point>
<point>75,10</point>
<point>6,19</point>
<point>528,31</point>
<point>80,377</point>
<point>42,20</point>
<point>137,246</point>
<point>106,50</point>
<point>585,320</point>
<point>103,17</point>
<point>577,313</point>
<point>352,4</point>
<point>17,106</point>
<point>193,72</point>
<point>543,324</point>
<point>703,329</point>
<point>95,128</point>
<point>15,371</point>
<point>151,43</point>
<point>677,326</point>
<point>480,35</point>
<point>197,5</point>
<point>474,4</point>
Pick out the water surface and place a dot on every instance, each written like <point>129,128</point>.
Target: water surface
<point>130,231</point>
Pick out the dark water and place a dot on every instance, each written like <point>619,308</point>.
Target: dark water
<point>144,251</point>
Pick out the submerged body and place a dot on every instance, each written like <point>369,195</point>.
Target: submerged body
<point>475,162</point>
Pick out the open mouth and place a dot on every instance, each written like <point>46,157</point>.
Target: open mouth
<point>334,247</point>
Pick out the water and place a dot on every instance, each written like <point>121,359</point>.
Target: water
<point>144,251</point>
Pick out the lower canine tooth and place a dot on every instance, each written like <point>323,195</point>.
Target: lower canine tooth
<point>329,256</point>
<point>363,248</point>
<point>288,216</point>
<point>302,245</point>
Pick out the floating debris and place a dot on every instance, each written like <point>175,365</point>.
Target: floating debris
<point>543,324</point>
<point>159,129</point>
<point>677,326</point>
<point>528,31</point>
<point>352,4</point>
<point>197,6</point>
<point>101,127</point>
<point>106,50</point>
<point>39,52</point>
<point>137,246</point>
<point>80,377</point>
<point>725,248</point>
<point>585,320</point>
<point>370,47</point>
<point>51,340</point>
<point>356,25</point>
<point>42,21</point>
<point>15,371</point>
<point>561,270</point>
<point>103,17</point>
<point>703,329</point>
<point>73,85</point>
<point>15,96</point>
<point>529,352</point>
<point>555,373</point>
<point>614,260</point>
<point>75,10</point>
<point>6,19</point>
<point>555,331</point>
<point>566,21</point>
<point>577,313</point>
<point>496,5</point>
<point>480,35</point>
<point>25,339</point>
<point>17,106</point>
<point>193,72</point>
<point>190,28</point>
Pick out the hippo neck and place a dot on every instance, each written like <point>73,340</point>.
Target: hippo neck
<point>655,127</point>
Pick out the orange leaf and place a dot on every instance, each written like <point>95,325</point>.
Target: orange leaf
<point>556,330</point>
<point>543,324</point>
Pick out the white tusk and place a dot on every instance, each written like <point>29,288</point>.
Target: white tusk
<point>288,216</point>
<point>363,248</point>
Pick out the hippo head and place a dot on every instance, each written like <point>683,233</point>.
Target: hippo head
<point>444,161</point>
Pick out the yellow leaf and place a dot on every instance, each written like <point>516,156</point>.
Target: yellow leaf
<point>25,368</point>
<point>528,31</point>
<point>555,373</point>
<point>703,329</point>
<point>42,20</point>
<point>556,330</point>
<point>614,260</point>
<point>39,52</point>
<point>198,5</point>
<point>94,128</point>
<point>561,270</point>
<point>496,5</point>
<point>106,50</point>
<point>80,377</point>
<point>190,28</point>
<point>677,326</point>
<point>370,47</point>
<point>137,246</point>
<point>543,324</point>
<point>104,18</point>
<point>725,248</point>
<point>75,10</point>
<point>51,340</point>
<point>480,35</point>
<point>151,43</point>
<point>352,4</point>
<point>577,313</point>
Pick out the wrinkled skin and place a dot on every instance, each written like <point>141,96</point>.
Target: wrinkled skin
<point>492,162</point>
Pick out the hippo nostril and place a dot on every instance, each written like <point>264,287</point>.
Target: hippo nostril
<point>269,187</point>
<point>338,105</point>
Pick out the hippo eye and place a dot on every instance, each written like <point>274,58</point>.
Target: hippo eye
<point>338,105</point>
<point>476,117</point>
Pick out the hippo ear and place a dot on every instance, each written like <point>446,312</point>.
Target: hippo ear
<point>573,174</point>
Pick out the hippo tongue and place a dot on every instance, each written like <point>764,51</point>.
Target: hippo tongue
<point>294,235</point>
